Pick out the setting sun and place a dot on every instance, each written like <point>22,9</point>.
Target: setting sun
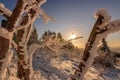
<point>72,36</point>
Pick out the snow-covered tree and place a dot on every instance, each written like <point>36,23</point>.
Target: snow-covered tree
<point>6,34</point>
<point>60,38</point>
<point>21,21</point>
<point>101,29</point>
<point>49,37</point>
<point>105,56</point>
<point>34,37</point>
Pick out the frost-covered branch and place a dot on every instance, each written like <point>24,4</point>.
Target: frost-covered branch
<point>15,17</point>
<point>4,67</point>
<point>45,16</point>
<point>29,33</point>
<point>40,11</point>
<point>4,11</point>
<point>24,31</point>
<point>111,27</point>
<point>33,48</point>
<point>31,51</point>
<point>25,22</point>
<point>5,33</point>
<point>14,44</point>
<point>80,72</point>
<point>107,29</point>
<point>104,13</point>
<point>6,36</point>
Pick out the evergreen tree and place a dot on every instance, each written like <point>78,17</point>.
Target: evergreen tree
<point>59,36</point>
<point>105,56</point>
<point>104,45</point>
<point>33,37</point>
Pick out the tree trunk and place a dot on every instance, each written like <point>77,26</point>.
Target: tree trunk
<point>79,74</point>
<point>15,17</point>
<point>6,36</point>
<point>23,73</point>
<point>24,69</point>
<point>105,57</point>
<point>24,65</point>
<point>3,49</point>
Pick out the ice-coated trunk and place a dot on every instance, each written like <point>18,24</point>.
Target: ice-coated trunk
<point>7,35</point>
<point>23,35</point>
<point>3,49</point>
<point>24,68</point>
<point>82,67</point>
<point>15,17</point>
<point>5,64</point>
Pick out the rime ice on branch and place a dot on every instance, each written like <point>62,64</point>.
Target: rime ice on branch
<point>99,32</point>
<point>104,13</point>
<point>23,25</point>
<point>4,11</point>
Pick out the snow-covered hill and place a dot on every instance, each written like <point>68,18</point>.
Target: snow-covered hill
<point>62,69</point>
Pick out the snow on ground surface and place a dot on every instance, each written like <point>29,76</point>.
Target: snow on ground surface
<point>100,74</point>
<point>54,68</point>
<point>60,68</point>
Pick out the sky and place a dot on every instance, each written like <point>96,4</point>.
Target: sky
<point>75,16</point>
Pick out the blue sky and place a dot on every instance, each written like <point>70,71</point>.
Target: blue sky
<point>75,16</point>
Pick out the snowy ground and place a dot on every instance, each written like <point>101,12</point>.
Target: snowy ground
<point>61,69</point>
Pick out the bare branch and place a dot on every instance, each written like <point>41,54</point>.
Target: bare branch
<point>46,17</point>
<point>74,39</point>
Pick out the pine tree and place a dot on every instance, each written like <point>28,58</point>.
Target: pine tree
<point>105,55</point>
<point>34,37</point>
<point>104,45</point>
<point>59,36</point>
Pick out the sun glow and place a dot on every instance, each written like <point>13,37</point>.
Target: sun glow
<point>72,36</point>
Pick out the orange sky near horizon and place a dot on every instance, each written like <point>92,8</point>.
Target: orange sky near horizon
<point>112,40</point>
